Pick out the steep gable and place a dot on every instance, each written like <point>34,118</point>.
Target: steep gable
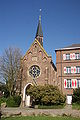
<point>37,53</point>
<point>36,42</point>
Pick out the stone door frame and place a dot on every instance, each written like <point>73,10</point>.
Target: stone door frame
<point>24,92</point>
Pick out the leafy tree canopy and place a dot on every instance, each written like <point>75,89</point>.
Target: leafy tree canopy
<point>46,95</point>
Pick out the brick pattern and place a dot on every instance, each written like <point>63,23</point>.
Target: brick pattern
<point>37,56</point>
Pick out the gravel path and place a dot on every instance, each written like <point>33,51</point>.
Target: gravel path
<point>67,111</point>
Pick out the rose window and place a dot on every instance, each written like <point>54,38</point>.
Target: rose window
<point>34,71</point>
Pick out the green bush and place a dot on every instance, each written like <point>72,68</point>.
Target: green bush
<point>13,101</point>
<point>10,102</point>
<point>3,88</point>
<point>17,100</point>
<point>2,100</point>
<point>76,96</point>
<point>46,95</point>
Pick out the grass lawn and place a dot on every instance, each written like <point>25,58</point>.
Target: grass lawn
<point>76,106</point>
<point>51,107</point>
<point>40,118</point>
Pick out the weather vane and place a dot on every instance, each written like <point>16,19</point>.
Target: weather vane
<point>40,14</point>
<point>40,10</point>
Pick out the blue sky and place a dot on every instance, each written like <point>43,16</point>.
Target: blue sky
<point>19,20</point>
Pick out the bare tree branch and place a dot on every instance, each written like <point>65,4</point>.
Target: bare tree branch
<point>10,64</point>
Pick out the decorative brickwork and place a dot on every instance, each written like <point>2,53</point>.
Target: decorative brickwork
<point>37,67</point>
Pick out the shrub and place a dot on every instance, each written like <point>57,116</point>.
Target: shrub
<point>13,101</point>
<point>46,95</point>
<point>17,100</point>
<point>10,102</point>
<point>2,100</point>
<point>3,88</point>
<point>76,96</point>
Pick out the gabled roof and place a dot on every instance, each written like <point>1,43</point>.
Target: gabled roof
<point>40,47</point>
<point>39,28</point>
<point>43,51</point>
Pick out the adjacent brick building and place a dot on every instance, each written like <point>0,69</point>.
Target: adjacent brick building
<point>68,69</point>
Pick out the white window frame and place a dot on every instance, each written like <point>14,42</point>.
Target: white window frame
<point>74,81</point>
<point>68,56</point>
<point>77,56</point>
<point>65,70</point>
<point>64,56</point>
<point>78,83</point>
<point>65,82</point>
<point>69,82</point>
<point>78,69</point>
<point>68,69</point>
<point>73,56</point>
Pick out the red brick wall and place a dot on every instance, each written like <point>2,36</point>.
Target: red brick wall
<point>37,56</point>
<point>65,63</point>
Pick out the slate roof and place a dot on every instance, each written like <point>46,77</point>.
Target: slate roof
<point>39,28</point>
<point>73,46</point>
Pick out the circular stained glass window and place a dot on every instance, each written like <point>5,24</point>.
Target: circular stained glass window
<point>34,71</point>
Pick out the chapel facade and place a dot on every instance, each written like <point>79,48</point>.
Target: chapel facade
<point>37,66</point>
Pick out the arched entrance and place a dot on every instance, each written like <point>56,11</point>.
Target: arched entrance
<point>26,98</point>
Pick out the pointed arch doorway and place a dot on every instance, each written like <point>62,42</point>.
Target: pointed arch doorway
<point>27,98</point>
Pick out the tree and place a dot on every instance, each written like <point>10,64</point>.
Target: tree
<point>46,95</point>
<point>10,67</point>
<point>4,91</point>
<point>76,96</point>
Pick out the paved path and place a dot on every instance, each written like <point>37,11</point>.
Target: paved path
<point>67,111</point>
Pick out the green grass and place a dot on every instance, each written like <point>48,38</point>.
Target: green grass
<point>51,107</point>
<point>76,106</point>
<point>40,118</point>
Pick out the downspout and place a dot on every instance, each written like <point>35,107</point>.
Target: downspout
<point>61,69</point>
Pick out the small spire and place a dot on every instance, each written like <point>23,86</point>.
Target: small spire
<point>39,33</point>
<point>39,28</point>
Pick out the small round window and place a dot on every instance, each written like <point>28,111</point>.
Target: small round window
<point>34,71</point>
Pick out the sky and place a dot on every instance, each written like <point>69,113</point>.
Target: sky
<point>60,21</point>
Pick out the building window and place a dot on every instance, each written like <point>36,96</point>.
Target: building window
<point>72,83</point>
<point>68,69</point>
<point>72,69</point>
<point>77,56</point>
<point>78,69</point>
<point>69,84</point>
<point>78,83</point>
<point>34,71</point>
<point>64,56</point>
<point>71,56</point>
<point>67,56</point>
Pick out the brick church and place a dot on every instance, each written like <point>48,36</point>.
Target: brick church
<point>37,66</point>
<point>39,69</point>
